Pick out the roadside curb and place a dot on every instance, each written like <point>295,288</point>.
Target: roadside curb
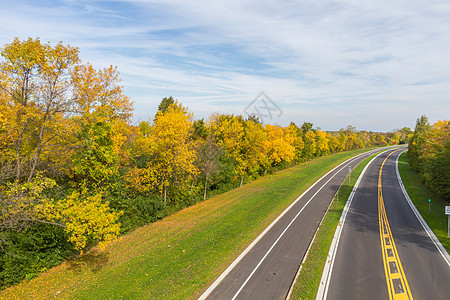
<point>326,275</point>
<point>424,224</point>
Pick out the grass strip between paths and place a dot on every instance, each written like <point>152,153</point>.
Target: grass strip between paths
<point>180,256</point>
<point>308,280</point>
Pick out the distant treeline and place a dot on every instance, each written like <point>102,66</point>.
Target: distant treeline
<point>74,171</point>
<point>429,155</point>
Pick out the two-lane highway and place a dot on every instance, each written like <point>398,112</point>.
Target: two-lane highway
<point>384,251</point>
<point>268,267</point>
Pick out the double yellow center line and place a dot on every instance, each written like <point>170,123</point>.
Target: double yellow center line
<point>397,284</point>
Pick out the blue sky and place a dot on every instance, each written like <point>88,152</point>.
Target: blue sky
<point>377,65</point>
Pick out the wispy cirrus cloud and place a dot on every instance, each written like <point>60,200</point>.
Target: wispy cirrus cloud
<point>377,65</point>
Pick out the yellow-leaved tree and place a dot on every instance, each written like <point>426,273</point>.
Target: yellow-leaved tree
<point>322,142</point>
<point>103,116</point>
<point>253,148</point>
<point>172,153</point>
<point>35,80</point>
<point>279,144</point>
<point>82,215</point>
<point>310,149</point>
<point>229,133</point>
<point>297,134</point>
<point>58,115</point>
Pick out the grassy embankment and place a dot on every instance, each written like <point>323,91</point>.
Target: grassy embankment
<point>309,278</point>
<point>180,256</point>
<point>419,195</point>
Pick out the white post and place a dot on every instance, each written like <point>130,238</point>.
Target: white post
<point>447,212</point>
<point>349,173</point>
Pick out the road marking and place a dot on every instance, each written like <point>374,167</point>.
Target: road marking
<point>328,269</point>
<point>397,284</point>
<point>282,234</point>
<point>239,258</point>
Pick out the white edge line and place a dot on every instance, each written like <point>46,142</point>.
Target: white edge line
<point>424,224</point>
<point>291,289</point>
<point>328,269</point>
<point>284,231</point>
<point>239,258</point>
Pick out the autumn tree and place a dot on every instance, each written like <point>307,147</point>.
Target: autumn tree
<point>83,215</point>
<point>377,139</point>
<point>310,149</point>
<point>322,142</point>
<point>172,153</point>
<point>253,148</point>
<point>103,113</point>
<point>348,138</point>
<point>429,154</point>
<point>333,143</point>
<point>229,133</point>
<point>404,135</point>
<point>95,164</point>
<point>279,144</point>
<point>35,80</point>
<point>49,101</point>
<point>437,170</point>
<point>298,143</point>
<point>208,159</point>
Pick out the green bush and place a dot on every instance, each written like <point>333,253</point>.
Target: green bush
<point>137,210</point>
<point>31,251</point>
<point>437,173</point>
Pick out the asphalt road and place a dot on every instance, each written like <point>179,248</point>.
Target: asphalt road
<point>401,261</point>
<point>267,269</point>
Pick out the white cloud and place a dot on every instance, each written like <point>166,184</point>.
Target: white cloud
<point>377,65</point>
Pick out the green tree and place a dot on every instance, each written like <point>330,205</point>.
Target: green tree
<point>95,164</point>
<point>430,155</point>
<point>165,103</point>
<point>307,126</point>
<point>416,144</point>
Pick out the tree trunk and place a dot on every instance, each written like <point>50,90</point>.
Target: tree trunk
<point>206,184</point>
<point>38,153</point>
<point>18,147</point>
<point>23,101</point>
<point>48,113</point>
<point>242,179</point>
<point>165,195</point>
